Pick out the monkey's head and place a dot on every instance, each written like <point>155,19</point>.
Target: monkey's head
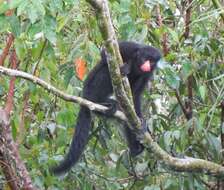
<point>146,59</point>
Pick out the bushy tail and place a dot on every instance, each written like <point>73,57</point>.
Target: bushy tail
<point>80,139</point>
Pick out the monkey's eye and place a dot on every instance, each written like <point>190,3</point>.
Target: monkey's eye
<point>146,66</point>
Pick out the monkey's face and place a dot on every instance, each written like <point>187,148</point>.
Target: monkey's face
<point>146,66</point>
<point>146,59</point>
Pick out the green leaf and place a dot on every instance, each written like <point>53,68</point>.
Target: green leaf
<point>38,5</point>
<point>126,19</point>
<point>187,70</point>
<point>15,25</point>
<point>22,8</point>
<point>141,167</point>
<point>34,9</point>
<point>124,6</point>
<point>174,35</point>
<point>49,28</point>
<point>65,117</point>
<point>143,34</point>
<point>62,21</point>
<point>34,30</point>
<point>21,50</point>
<point>214,144</point>
<point>32,13</point>
<point>76,47</point>
<point>202,91</point>
<point>167,140</point>
<point>4,25</point>
<point>171,77</point>
<point>45,74</point>
<point>1,90</point>
<point>176,134</point>
<point>69,74</point>
<point>4,7</point>
<point>15,3</point>
<point>36,49</point>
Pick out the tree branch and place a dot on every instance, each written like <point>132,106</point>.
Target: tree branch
<point>9,102</point>
<point>91,105</point>
<point>164,40</point>
<point>180,103</point>
<point>6,49</point>
<point>189,102</point>
<point>10,161</point>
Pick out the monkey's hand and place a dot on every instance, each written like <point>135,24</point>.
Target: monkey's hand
<point>125,69</point>
<point>112,108</point>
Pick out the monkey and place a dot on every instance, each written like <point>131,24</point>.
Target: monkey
<point>139,63</point>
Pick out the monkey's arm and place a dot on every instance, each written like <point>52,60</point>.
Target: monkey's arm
<point>125,69</point>
<point>137,89</point>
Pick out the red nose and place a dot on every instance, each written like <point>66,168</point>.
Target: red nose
<point>146,67</point>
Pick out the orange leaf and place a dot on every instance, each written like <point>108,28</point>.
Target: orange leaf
<point>80,68</point>
<point>9,12</point>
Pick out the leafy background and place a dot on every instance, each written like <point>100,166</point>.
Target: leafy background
<point>51,35</point>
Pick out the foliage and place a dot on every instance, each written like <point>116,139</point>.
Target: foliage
<point>52,35</point>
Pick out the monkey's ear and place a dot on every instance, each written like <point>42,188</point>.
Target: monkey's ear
<point>125,69</point>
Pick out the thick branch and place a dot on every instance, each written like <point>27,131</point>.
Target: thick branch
<point>10,161</point>
<point>187,164</point>
<point>92,106</point>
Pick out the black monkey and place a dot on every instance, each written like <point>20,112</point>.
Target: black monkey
<point>139,63</point>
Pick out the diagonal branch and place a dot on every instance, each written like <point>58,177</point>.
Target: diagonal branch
<point>91,105</point>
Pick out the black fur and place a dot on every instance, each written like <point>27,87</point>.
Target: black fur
<point>98,88</point>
